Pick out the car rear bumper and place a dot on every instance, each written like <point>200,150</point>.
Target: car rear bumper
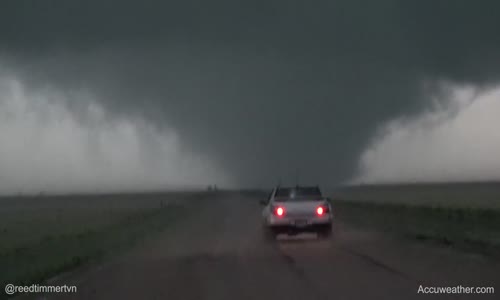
<point>299,224</point>
<point>293,229</point>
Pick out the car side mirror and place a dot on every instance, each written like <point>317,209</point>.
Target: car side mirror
<point>263,202</point>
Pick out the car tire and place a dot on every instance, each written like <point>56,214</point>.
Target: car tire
<point>269,234</point>
<point>325,232</point>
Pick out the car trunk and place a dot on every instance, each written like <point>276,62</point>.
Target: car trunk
<point>304,208</point>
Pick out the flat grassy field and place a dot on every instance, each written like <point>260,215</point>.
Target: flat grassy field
<point>41,237</point>
<point>463,195</point>
<point>466,216</point>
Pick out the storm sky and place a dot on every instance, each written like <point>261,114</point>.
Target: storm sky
<point>101,95</point>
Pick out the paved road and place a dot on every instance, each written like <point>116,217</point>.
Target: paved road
<point>219,253</point>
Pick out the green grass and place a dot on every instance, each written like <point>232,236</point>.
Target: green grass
<point>44,236</point>
<point>452,195</point>
<point>472,229</point>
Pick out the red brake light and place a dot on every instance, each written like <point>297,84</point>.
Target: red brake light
<point>320,211</point>
<point>280,211</point>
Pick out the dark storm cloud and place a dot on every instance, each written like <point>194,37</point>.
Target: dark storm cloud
<point>265,88</point>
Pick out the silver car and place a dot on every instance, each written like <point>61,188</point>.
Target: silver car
<point>292,210</point>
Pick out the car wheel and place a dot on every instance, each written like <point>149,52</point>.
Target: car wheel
<point>325,232</point>
<point>269,234</point>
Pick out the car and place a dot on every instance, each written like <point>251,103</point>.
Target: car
<point>294,210</point>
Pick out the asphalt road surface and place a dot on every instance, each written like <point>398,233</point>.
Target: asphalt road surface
<point>219,252</point>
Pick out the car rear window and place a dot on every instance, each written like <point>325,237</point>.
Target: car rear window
<point>302,193</point>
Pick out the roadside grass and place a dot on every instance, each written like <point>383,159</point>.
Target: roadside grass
<point>67,237</point>
<point>464,195</point>
<point>466,228</point>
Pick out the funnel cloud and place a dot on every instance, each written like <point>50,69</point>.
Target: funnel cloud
<point>246,94</point>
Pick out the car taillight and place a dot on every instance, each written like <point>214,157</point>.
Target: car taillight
<point>319,211</point>
<point>279,211</point>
